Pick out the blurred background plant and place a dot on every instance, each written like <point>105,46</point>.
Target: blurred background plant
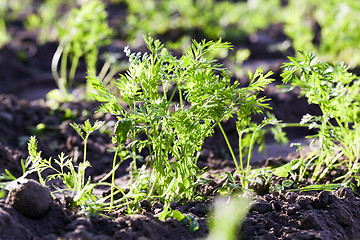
<point>208,19</point>
<point>4,37</point>
<point>227,217</point>
<point>310,25</point>
<point>83,33</point>
<point>46,18</point>
<point>328,28</point>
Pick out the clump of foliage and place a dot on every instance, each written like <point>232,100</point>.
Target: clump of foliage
<point>84,32</point>
<point>46,18</point>
<point>336,92</point>
<point>226,19</point>
<point>327,28</point>
<point>175,130</point>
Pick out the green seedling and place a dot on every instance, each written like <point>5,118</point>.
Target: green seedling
<point>317,22</point>
<point>30,165</point>
<point>251,133</point>
<point>336,92</point>
<point>296,168</point>
<point>84,130</point>
<point>262,177</point>
<point>72,177</point>
<point>85,31</point>
<point>175,130</point>
<point>229,187</point>
<point>280,188</point>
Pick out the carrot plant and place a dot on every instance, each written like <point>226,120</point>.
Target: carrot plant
<point>84,32</point>
<point>73,177</point>
<point>28,166</point>
<point>214,19</point>
<point>175,130</point>
<point>336,92</point>
<point>319,21</point>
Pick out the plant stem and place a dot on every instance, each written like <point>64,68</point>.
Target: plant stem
<point>250,152</point>
<point>229,146</point>
<point>84,160</point>
<point>72,72</point>
<point>63,71</point>
<point>55,63</point>
<point>241,159</point>
<point>113,179</point>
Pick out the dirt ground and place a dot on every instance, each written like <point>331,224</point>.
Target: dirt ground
<point>286,215</point>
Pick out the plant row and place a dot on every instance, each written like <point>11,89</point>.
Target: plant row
<point>82,27</point>
<point>177,102</point>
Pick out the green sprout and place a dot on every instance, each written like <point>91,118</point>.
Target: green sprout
<point>175,130</point>
<point>85,31</point>
<point>336,92</point>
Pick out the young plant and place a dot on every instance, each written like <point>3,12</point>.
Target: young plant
<point>175,130</point>
<point>73,177</point>
<point>84,130</point>
<point>30,165</point>
<point>336,92</point>
<point>84,32</point>
<point>317,22</point>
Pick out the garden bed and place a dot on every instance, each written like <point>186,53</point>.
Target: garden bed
<point>291,215</point>
<point>273,205</point>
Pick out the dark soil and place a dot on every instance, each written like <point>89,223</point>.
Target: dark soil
<point>23,81</point>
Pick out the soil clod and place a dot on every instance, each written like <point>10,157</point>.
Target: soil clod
<point>30,198</point>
